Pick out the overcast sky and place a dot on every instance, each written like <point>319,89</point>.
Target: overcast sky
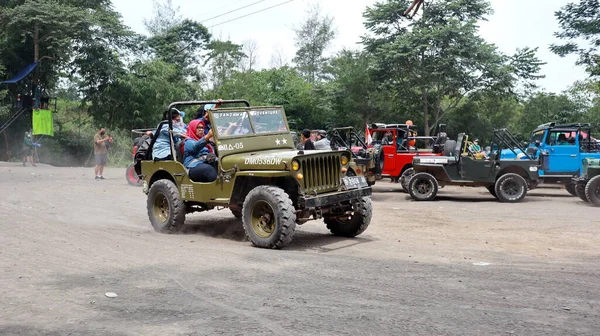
<point>515,24</point>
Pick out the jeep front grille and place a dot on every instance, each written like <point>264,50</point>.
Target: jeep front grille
<point>321,173</point>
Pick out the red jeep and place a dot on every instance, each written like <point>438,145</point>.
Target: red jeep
<point>400,146</point>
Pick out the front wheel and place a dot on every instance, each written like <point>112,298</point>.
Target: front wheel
<point>571,189</point>
<point>353,224</point>
<point>269,217</point>
<point>165,209</point>
<point>592,190</point>
<point>131,176</point>
<point>423,187</point>
<point>405,178</point>
<point>511,188</point>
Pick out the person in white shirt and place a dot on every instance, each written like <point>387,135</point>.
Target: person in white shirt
<point>322,141</point>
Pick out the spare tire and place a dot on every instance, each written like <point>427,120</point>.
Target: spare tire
<point>449,148</point>
<point>379,161</point>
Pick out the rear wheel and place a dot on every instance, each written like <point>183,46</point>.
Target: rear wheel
<point>571,189</point>
<point>592,190</point>
<point>131,176</point>
<point>165,209</point>
<point>492,190</point>
<point>580,191</point>
<point>351,225</point>
<point>269,217</point>
<point>511,188</point>
<point>423,187</point>
<point>405,178</point>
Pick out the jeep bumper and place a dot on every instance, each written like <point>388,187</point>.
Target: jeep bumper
<point>333,198</point>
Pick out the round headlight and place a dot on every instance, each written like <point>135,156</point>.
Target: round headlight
<point>344,160</point>
<point>295,165</point>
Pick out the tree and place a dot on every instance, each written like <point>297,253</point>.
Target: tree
<point>138,97</point>
<point>223,58</point>
<point>165,18</point>
<point>312,39</point>
<point>83,38</point>
<point>278,58</point>
<point>549,107</point>
<point>353,90</point>
<point>580,21</point>
<point>440,59</point>
<point>250,51</point>
<point>180,44</point>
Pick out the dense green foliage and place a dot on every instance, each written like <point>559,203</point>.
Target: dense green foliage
<point>435,69</point>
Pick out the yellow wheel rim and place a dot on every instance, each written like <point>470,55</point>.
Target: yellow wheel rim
<point>262,219</point>
<point>161,207</point>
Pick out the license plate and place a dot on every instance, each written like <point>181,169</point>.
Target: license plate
<point>355,182</point>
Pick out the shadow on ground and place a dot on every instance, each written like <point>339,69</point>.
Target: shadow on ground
<point>232,229</point>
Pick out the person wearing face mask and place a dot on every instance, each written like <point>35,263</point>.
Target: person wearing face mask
<point>101,140</point>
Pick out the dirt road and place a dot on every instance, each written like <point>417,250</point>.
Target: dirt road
<point>66,240</point>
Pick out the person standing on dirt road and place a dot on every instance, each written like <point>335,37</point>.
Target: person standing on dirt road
<point>28,149</point>
<point>308,144</point>
<point>101,142</point>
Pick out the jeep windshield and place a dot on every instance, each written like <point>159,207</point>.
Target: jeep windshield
<point>537,136</point>
<point>253,122</point>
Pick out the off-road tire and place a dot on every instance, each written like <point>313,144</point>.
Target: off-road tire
<point>379,162</point>
<point>175,207</point>
<point>580,190</point>
<point>571,189</point>
<point>423,182</point>
<point>131,176</point>
<point>405,178</point>
<point>449,146</point>
<point>592,190</point>
<point>510,188</point>
<point>283,213</point>
<point>356,224</point>
<point>492,190</point>
<point>236,213</point>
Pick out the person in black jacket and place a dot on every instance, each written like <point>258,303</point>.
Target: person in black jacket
<point>308,144</point>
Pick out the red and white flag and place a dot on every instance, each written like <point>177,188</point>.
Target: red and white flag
<point>368,138</point>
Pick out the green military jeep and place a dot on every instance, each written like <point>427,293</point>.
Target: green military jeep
<point>261,178</point>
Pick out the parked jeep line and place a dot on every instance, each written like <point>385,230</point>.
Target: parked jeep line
<point>506,179</point>
<point>566,145</point>
<point>400,147</point>
<point>262,179</point>
<point>366,161</point>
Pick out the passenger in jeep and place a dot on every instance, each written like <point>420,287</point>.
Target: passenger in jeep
<point>196,154</point>
<point>162,147</point>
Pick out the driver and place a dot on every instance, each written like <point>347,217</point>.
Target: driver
<point>240,127</point>
<point>197,157</point>
<point>476,149</point>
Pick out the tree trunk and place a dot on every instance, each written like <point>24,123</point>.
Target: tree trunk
<point>425,110</point>
<point>36,43</point>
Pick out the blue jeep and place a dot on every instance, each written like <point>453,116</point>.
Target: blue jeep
<point>566,145</point>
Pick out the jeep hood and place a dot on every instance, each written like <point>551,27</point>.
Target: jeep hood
<point>277,159</point>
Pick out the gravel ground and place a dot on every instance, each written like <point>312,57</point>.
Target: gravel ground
<point>66,240</point>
